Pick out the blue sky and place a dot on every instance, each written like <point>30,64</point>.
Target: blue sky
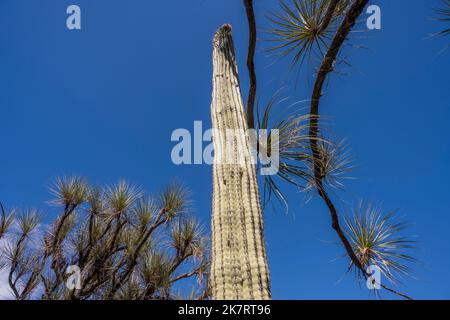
<point>102,103</point>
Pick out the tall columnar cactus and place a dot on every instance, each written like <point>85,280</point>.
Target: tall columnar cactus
<point>239,263</point>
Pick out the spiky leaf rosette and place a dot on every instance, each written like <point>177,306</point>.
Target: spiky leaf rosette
<point>305,27</point>
<point>175,200</point>
<point>378,239</point>
<point>296,163</point>
<point>69,191</point>
<point>334,164</point>
<point>292,144</point>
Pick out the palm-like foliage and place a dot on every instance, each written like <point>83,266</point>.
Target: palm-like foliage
<point>443,14</point>
<point>378,239</point>
<point>293,146</point>
<point>70,191</point>
<point>296,162</point>
<point>175,199</point>
<point>333,162</point>
<point>304,28</point>
<point>116,235</point>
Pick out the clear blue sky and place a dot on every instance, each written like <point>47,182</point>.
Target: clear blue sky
<point>102,103</point>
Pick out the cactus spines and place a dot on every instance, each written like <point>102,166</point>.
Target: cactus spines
<point>239,267</point>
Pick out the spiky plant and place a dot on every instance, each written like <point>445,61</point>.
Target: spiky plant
<point>292,144</point>
<point>116,235</point>
<point>69,191</point>
<point>334,163</point>
<point>379,239</point>
<point>305,27</point>
<point>239,267</point>
<point>296,162</point>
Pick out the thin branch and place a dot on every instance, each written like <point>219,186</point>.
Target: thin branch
<point>336,225</point>
<point>328,15</point>
<point>328,64</point>
<point>250,63</point>
<point>186,275</point>
<point>68,210</point>
<point>326,67</point>
<point>133,260</point>
<point>396,292</point>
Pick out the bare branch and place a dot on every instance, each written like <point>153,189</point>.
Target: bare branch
<point>250,62</point>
